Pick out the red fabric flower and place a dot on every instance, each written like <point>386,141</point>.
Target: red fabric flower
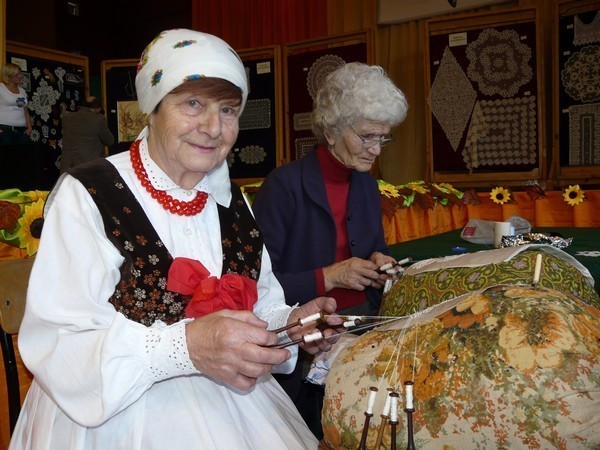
<point>210,294</point>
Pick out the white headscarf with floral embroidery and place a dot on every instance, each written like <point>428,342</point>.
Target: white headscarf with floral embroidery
<point>176,56</point>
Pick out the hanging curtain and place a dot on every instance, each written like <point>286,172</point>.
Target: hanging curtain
<point>248,24</point>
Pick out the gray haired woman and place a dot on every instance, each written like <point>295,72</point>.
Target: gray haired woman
<point>321,215</point>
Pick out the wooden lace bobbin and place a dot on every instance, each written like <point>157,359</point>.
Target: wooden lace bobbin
<point>368,414</point>
<point>409,409</point>
<point>384,418</point>
<point>312,337</point>
<point>538,270</point>
<point>301,322</point>
<point>393,418</point>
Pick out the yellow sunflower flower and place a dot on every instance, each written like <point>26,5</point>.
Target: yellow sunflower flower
<point>500,195</point>
<point>32,213</point>
<point>529,345</point>
<point>37,195</point>
<point>574,195</point>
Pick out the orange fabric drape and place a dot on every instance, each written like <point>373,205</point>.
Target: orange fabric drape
<point>255,23</point>
<point>551,211</point>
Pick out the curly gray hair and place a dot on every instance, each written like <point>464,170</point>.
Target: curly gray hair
<point>353,92</point>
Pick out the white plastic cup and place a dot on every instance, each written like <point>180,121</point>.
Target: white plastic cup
<point>501,229</point>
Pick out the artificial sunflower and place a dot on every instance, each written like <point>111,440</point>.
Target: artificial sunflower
<point>28,234</point>
<point>500,195</point>
<point>574,195</point>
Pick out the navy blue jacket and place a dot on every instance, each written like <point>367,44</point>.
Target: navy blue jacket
<point>293,213</point>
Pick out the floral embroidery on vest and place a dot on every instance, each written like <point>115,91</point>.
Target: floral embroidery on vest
<point>141,293</point>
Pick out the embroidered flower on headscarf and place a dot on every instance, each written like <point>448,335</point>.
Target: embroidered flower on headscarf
<point>185,43</point>
<point>156,77</point>
<point>196,76</point>
<point>500,195</point>
<point>574,195</point>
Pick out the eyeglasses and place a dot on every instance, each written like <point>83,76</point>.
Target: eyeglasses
<point>368,142</point>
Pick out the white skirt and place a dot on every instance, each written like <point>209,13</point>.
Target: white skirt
<point>182,413</point>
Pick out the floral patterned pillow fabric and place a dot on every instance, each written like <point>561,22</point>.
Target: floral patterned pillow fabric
<point>503,367</point>
<point>412,293</point>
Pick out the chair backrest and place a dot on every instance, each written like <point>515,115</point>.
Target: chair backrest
<point>14,278</point>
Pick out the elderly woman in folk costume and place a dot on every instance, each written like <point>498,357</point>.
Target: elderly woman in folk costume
<point>152,295</point>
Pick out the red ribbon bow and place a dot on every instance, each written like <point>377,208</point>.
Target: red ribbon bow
<point>209,294</point>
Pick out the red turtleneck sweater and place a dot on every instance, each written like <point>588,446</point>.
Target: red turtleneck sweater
<point>337,183</point>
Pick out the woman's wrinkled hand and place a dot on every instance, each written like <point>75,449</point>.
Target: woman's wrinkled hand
<point>232,347</point>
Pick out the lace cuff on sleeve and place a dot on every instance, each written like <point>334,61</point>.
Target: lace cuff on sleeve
<point>166,351</point>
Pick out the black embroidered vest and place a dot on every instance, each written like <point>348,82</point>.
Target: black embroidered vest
<point>141,293</point>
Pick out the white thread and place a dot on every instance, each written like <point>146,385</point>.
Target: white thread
<point>394,409</point>
<point>349,323</point>
<point>409,396</point>
<point>403,261</point>
<point>387,286</point>
<point>371,401</point>
<point>313,337</point>
<point>538,268</point>
<point>311,318</point>
<point>387,405</point>
<point>386,266</point>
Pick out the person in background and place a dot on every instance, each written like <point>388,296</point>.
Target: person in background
<point>85,134</point>
<point>152,306</point>
<point>15,122</point>
<point>321,216</point>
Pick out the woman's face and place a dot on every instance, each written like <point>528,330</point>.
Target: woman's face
<point>349,148</point>
<point>191,134</point>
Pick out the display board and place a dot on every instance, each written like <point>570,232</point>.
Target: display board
<point>306,63</point>
<point>123,116</point>
<point>485,98</point>
<point>259,147</point>
<point>53,80</point>
<point>576,54</point>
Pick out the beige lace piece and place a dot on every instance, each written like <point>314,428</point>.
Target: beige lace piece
<point>587,33</point>
<point>256,115</point>
<point>584,134</point>
<point>503,132</point>
<point>319,70</point>
<point>499,62</point>
<point>452,98</point>
<point>303,146</point>
<point>580,76</point>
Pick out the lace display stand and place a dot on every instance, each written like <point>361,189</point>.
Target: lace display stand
<point>485,98</point>
<point>576,86</point>
<point>306,63</point>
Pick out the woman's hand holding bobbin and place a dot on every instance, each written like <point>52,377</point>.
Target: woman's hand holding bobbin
<point>233,347</point>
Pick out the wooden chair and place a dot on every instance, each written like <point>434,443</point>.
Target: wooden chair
<point>14,278</point>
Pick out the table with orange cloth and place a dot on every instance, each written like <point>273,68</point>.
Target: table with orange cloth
<point>551,210</point>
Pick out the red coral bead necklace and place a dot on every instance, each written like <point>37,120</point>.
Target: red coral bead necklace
<point>169,203</point>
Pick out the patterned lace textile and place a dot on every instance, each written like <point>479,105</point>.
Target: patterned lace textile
<point>141,294</point>
<point>587,33</point>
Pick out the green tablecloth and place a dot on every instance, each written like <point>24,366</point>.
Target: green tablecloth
<point>585,247</point>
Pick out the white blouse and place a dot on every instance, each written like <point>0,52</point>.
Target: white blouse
<point>102,381</point>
